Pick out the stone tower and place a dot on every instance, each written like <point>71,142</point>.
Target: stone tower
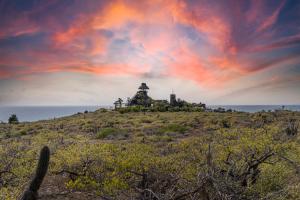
<point>173,101</point>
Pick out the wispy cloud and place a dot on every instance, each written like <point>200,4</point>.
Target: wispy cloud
<point>196,40</point>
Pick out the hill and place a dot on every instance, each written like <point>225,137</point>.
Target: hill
<point>156,155</point>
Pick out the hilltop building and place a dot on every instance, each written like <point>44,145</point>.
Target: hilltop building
<point>141,98</point>
<point>173,100</point>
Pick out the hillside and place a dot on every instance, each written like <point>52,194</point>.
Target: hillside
<point>156,155</point>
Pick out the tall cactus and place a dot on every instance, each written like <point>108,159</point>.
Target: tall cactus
<point>32,192</point>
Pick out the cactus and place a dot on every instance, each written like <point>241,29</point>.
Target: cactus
<point>32,192</point>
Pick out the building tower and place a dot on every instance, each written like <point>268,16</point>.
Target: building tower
<point>173,101</point>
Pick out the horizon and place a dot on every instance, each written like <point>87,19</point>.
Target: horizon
<point>36,113</point>
<point>76,53</point>
<point>105,106</point>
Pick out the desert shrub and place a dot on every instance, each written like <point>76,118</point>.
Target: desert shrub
<point>132,109</point>
<point>122,110</point>
<point>262,118</point>
<point>109,123</point>
<point>23,132</point>
<point>292,127</point>
<point>242,161</point>
<point>173,128</point>
<point>161,138</point>
<point>38,127</point>
<point>146,121</point>
<point>225,123</point>
<point>106,132</point>
<point>111,133</point>
<point>103,110</point>
<point>160,107</point>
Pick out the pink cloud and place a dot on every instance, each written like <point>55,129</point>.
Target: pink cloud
<point>207,21</point>
<point>271,20</point>
<point>278,44</point>
<point>222,47</point>
<point>187,64</point>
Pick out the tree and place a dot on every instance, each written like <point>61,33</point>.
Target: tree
<point>120,102</point>
<point>13,119</point>
<point>143,87</point>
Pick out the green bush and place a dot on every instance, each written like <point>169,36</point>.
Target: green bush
<point>132,109</point>
<point>22,132</point>
<point>103,110</point>
<point>225,123</point>
<point>147,121</point>
<point>106,132</point>
<point>173,128</point>
<point>225,152</point>
<point>111,132</point>
<point>13,119</point>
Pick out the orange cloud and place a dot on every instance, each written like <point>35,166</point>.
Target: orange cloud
<point>106,69</point>
<point>206,21</point>
<point>101,69</point>
<point>228,63</point>
<point>115,15</point>
<point>187,64</point>
<point>188,40</point>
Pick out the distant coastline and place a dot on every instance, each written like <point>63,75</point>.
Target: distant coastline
<point>35,113</point>
<point>256,108</point>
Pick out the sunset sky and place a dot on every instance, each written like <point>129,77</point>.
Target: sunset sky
<point>90,52</point>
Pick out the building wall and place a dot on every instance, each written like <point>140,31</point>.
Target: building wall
<point>173,99</point>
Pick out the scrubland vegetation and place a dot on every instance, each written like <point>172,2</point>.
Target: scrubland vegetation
<point>156,155</point>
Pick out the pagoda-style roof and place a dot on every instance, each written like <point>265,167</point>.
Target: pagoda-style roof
<point>144,87</point>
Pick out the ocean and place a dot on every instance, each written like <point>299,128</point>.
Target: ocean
<point>35,113</point>
<point>256,108</point>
